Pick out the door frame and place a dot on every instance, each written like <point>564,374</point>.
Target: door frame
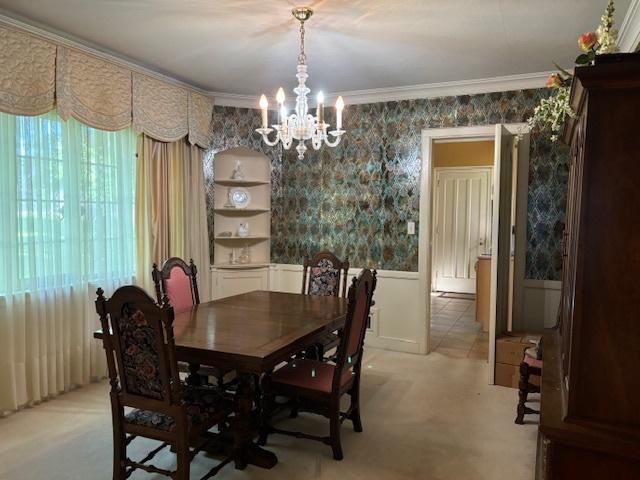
<point>425,234</point>
<point>436,172</point>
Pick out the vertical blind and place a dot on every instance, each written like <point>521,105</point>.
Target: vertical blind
<point>66,217</point>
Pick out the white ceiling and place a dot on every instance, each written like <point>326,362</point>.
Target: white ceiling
<point>250,46</point>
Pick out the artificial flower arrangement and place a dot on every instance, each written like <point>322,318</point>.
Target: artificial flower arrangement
<point>552,112</point>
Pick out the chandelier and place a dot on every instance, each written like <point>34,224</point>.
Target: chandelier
<point>301,125</point>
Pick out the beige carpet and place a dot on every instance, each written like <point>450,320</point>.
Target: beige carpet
<point>425,417</point>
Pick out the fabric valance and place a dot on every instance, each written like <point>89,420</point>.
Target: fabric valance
<point>96,92</point>
<point>159,109</point>
<point>27,73</point>
<point>37,75</point>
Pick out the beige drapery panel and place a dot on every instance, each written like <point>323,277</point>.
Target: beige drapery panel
<point>170,209</point>
<point>37,74</point>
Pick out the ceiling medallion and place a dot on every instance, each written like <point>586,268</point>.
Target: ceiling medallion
<point>301,125</point>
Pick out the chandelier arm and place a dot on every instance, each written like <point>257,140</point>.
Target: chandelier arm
<point>335,142</point>
<point>265,136</point>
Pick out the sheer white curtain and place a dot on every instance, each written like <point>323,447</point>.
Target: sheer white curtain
<point>66,217</point>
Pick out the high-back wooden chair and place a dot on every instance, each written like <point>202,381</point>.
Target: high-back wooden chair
<point>318,386</point>
<point>178,281</point>
<point>322,275</point>
<point>137,335</point>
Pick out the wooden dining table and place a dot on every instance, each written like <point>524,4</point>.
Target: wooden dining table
<point>251,334</point>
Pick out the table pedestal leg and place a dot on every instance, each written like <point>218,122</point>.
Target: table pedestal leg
<point>194,378</point>
<point>245,450</point>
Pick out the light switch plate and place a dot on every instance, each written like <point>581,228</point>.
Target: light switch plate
<point>411,228</point>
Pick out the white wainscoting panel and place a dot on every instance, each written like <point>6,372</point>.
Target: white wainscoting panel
<point>395,319</point>
<point>540,301</point>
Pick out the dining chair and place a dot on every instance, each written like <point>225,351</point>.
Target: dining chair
<point>321,276</point>
<point>178,281</point>
<point>143,373</point>
<point>318,386</point>
<point>531,365</point>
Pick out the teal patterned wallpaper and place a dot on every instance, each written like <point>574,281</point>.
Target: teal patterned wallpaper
<point>356,199</point>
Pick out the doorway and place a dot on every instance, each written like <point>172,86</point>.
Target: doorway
<point>505,257</point>
<point>461,226</point>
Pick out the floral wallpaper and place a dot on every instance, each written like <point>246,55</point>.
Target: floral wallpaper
<point>356,199</point>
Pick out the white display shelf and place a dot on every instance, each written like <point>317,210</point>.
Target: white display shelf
<point>241,211</point>
<point>250,237</point>
<point>256,170</point>
<point>229,182</point>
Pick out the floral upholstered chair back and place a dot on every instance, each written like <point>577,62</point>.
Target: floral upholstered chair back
<point>139,351</point>
<point>178,282</point>
<point>141,342</point>
<point>324,272</point>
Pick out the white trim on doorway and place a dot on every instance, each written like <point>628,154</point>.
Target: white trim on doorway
<point>425,238</point>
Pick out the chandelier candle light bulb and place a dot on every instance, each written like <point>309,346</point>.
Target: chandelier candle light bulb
<point>264,105</point>
<point>320,109</point>
<point>301,125</point>
<point>339,108</point>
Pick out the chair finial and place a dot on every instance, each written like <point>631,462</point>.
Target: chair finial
<point>165,301</point>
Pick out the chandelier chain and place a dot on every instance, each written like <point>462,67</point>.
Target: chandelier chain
<point>302,57</point>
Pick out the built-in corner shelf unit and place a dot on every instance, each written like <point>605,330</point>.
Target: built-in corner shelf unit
<point>230,247</point>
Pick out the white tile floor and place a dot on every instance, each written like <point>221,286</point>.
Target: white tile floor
<point>454,330</point>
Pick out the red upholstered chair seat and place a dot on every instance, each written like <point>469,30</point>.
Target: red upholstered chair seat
<point>532,362</point>
<point>300,373</point>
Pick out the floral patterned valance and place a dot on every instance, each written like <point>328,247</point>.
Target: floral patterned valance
<point>27,73</point>
<point>96,92</point>
<point>37,75</point>
<point>159,109</point>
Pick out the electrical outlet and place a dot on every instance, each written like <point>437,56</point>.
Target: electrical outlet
<point>411,228</point>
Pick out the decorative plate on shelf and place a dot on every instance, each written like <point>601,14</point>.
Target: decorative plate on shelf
<point>239,197</point>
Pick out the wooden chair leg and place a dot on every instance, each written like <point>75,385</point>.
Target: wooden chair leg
<point>119,449</point>
<point>355,409</point>
<point>523,391</point>
<point>183,462</point>
<point>295,405</point>
<point>334,429</point>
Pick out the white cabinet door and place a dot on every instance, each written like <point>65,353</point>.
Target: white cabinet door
<point>462,226</point>
<point>231,282</point>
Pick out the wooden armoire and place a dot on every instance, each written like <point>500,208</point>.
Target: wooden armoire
<point>590,399</point>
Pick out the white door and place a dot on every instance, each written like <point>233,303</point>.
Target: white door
<point>501,241</point>
<point>462,226</point>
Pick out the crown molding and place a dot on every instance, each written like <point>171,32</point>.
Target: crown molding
<point>235,100</point>
<point>629,37</point>
<point>411,92</point>
<point>446,89</point>
<point>60,38</point>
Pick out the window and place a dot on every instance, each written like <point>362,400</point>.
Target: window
<point>66,203</point>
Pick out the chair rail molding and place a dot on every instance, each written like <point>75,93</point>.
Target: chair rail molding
<point>629,38</point>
